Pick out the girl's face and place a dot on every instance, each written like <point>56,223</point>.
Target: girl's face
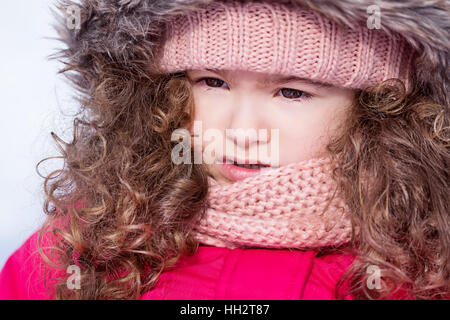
<point>306,114</point>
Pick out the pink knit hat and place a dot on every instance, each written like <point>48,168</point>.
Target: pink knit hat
<point>285,39</point>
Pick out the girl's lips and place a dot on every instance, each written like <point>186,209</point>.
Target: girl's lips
<point>235,173</point>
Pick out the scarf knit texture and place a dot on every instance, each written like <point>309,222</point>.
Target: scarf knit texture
<point>292,206</point>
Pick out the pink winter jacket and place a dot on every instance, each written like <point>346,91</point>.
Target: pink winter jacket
<point>211,273</point>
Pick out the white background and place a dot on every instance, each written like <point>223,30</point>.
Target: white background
<point>34,101</point>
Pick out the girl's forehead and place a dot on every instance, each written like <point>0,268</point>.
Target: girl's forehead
<point>237,71</point>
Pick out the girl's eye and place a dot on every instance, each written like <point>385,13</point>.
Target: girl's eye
<point>293,94</point>
<point>212,82</point>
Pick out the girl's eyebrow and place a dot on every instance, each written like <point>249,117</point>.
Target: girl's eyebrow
<point>284,79</point>
<point>277,80</point>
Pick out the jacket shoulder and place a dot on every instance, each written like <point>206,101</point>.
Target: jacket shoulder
<point>326,273</point>
<point>25,275</point>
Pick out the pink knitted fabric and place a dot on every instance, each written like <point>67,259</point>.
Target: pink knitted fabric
<point>284,39</point>
<point>292,206</point>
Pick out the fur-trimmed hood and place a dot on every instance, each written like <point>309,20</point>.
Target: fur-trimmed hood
<point>127,32</point>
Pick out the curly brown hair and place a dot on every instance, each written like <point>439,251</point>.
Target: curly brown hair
<point>134,207</point>
<point>393,170</point>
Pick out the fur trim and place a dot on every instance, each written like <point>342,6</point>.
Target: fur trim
<point>128,31</point>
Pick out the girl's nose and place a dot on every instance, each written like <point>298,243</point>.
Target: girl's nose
<point>245,124</point>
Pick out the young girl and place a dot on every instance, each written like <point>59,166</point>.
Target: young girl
<point>341,193</point>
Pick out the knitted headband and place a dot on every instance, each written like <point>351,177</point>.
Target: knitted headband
<point>284,39</point>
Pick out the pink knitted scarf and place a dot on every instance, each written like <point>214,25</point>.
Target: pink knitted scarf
<point>292,206</point>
